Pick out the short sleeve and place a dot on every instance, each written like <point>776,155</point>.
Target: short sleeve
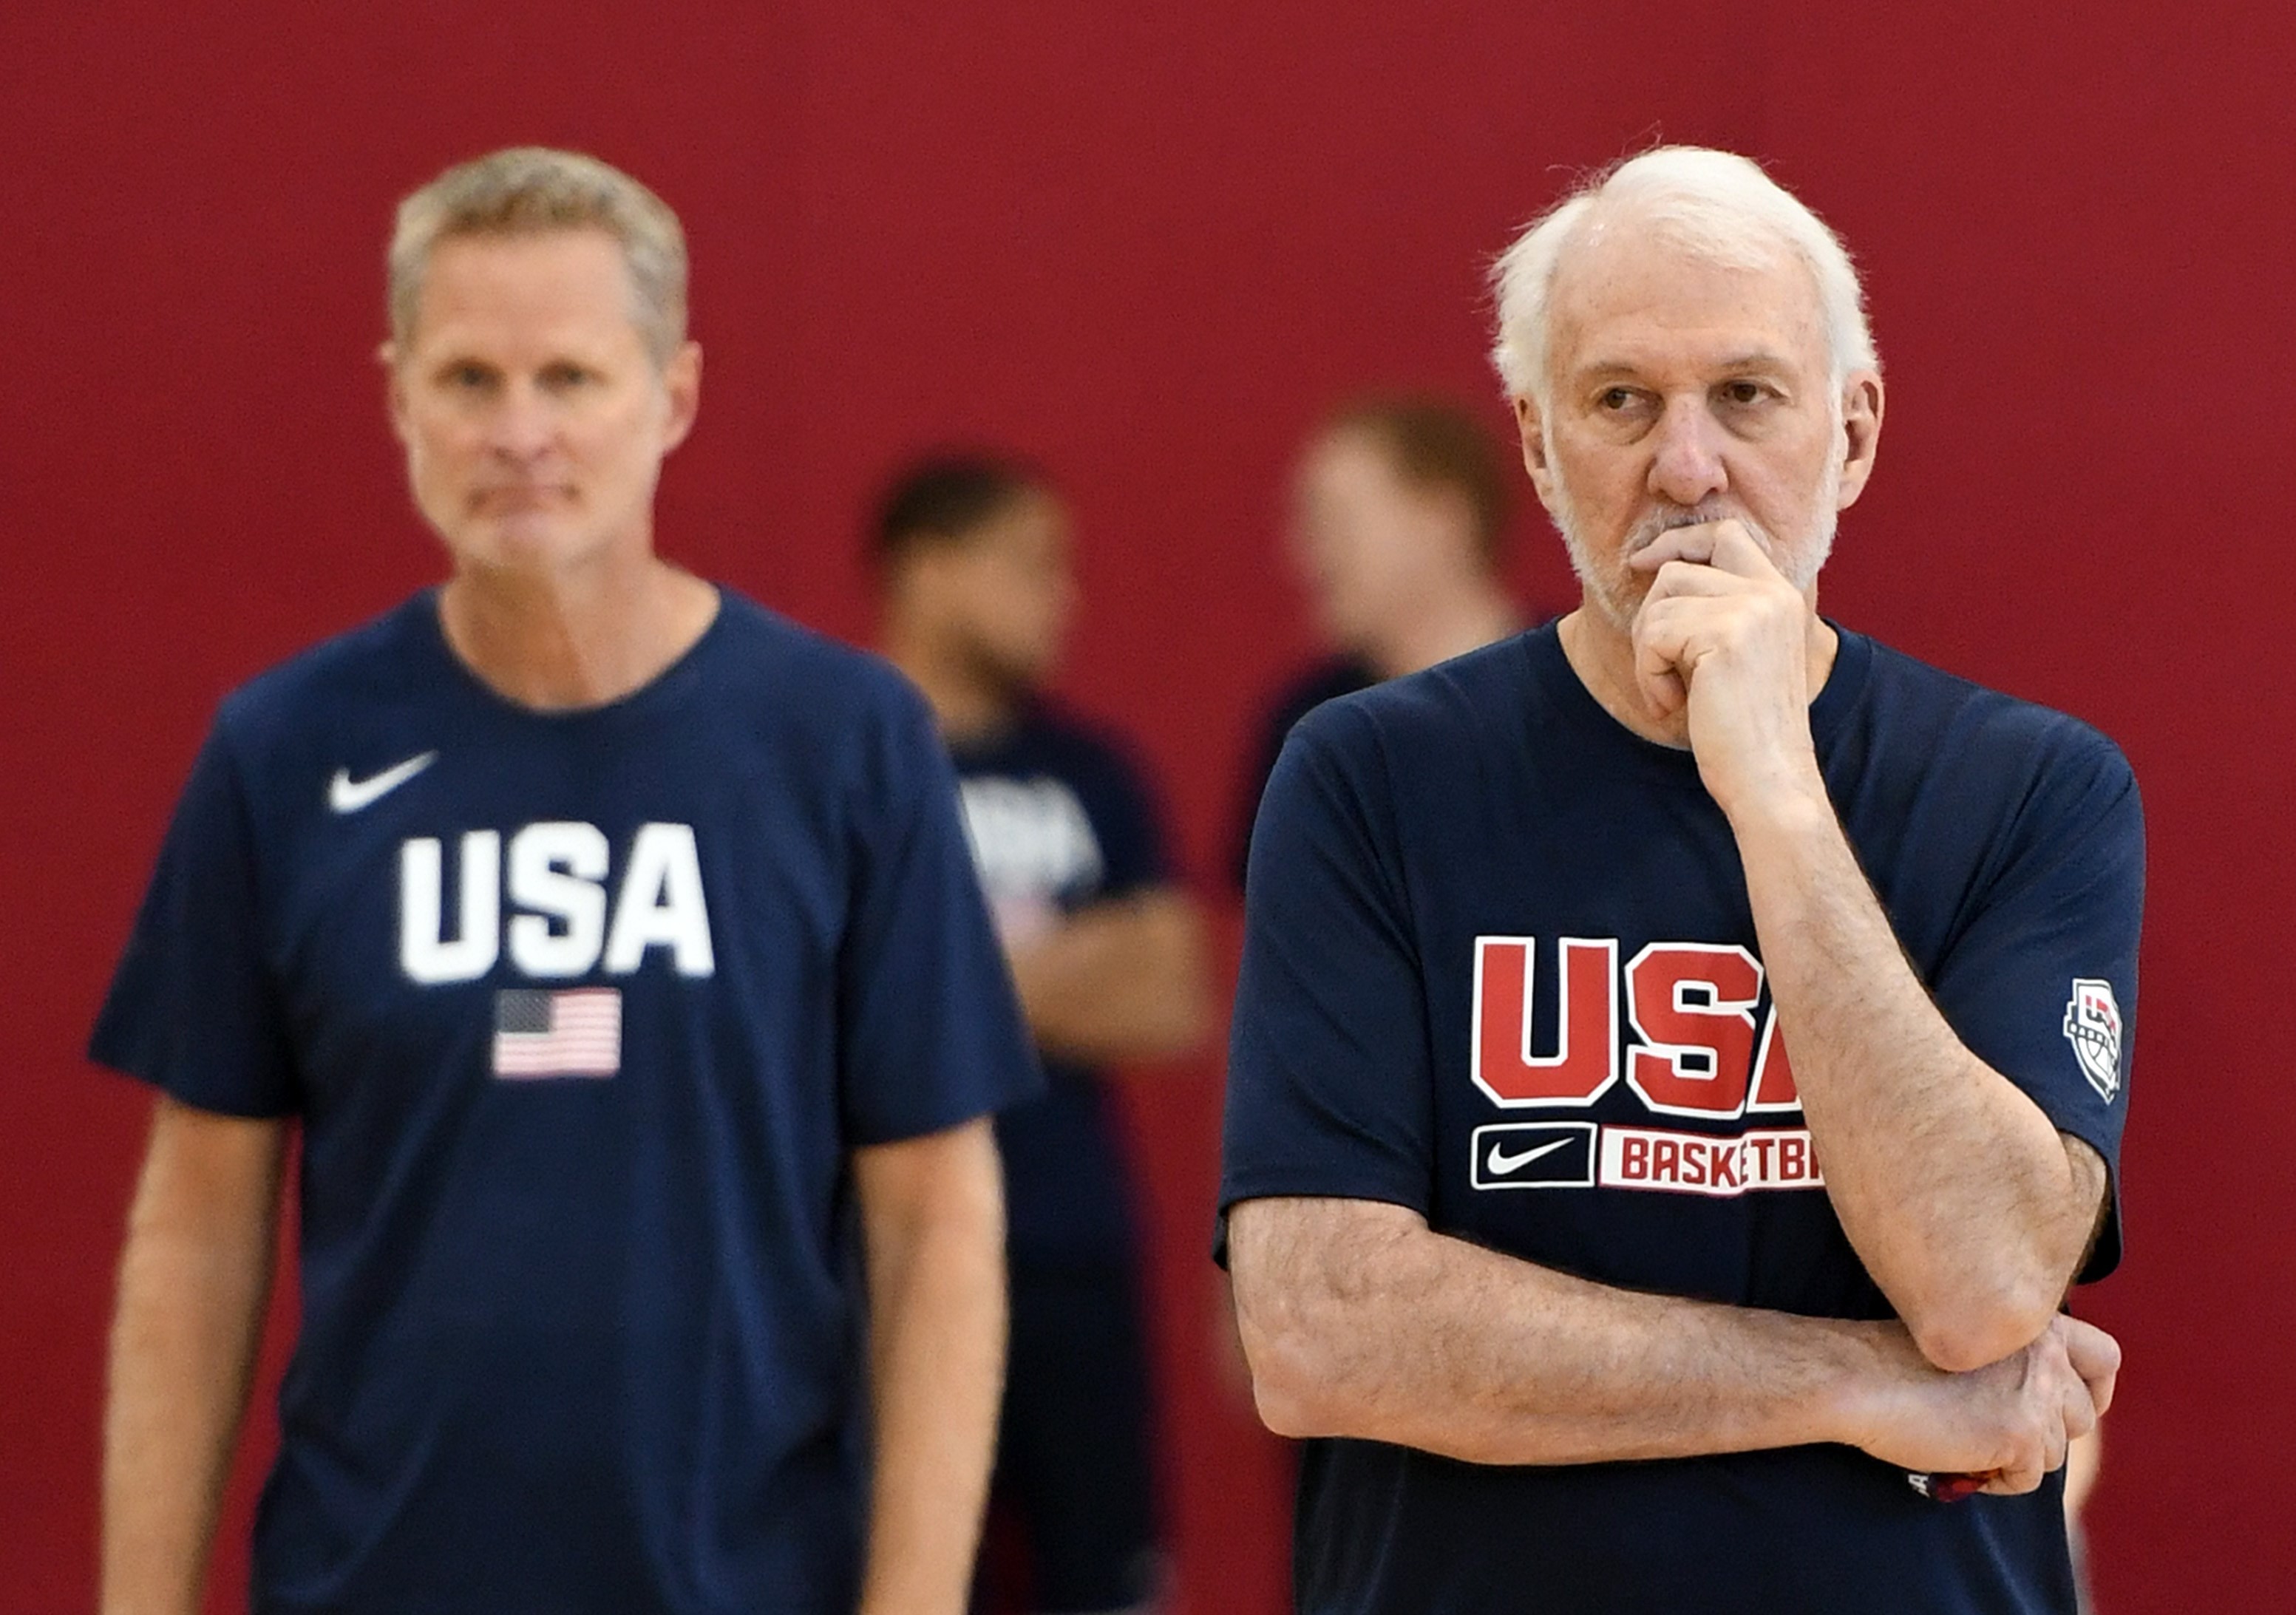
<point>194,1008</point>
<point>1341,675</point>
<point>1331,1087</point>
<point>929,1031</point>
<point>1252,785</point>
<point>2041,983</point>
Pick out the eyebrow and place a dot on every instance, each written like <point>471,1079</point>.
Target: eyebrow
<point>1738,364</point>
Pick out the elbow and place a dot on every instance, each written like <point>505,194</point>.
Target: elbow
<point>1282,1416</point>
<point>1981,1323</point>
<point>1313,1313</point>
<point>1288,1387</point>
<point>1297,1381</point>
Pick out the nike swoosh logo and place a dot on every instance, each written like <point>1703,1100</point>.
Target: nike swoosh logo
<point>347,795</point>
<point>1501,1161</point>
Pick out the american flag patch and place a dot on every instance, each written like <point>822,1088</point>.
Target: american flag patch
<point>577,1033</point>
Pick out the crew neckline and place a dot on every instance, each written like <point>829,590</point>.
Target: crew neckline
<point>1570,698</point>
<point>664,686</point>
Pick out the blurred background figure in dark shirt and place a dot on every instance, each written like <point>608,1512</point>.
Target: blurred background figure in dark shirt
<point>977,589</point>
<point>1399,518</point>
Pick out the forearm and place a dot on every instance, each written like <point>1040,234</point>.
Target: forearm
<point>1124,980</point>
<point>1962,1199</point>
<point>1359,1320</point>
<point>936,1277</point>
<point>192,1291</point>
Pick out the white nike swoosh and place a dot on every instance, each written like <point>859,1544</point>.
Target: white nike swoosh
<point>347,795</point>
<point>1501,1161</point>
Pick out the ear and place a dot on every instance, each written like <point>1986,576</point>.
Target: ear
<point>1861,433</point>
<point>681,379</point>
<point>394,388</point>
<point>1530,429</point>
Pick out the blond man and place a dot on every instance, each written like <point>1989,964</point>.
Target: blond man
<point>614,947</point>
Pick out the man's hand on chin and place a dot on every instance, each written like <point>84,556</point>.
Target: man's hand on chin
<point>1724,639</point>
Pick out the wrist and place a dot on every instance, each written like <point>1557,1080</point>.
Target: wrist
<point>1845,1405</point>
<point>1788,797</point>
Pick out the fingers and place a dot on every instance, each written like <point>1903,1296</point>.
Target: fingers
<point>1691,544</point>
<point>2094,1354</point>
<point>2065,1384</point>
<point>1730,546</point>
<point>1715,562</point>
<point>1691,612</point>
<point>1683,576</point>
<point>2012,1422</point>
<point>2013,1483</point>
<point>2077,1416</point>
<point>1661,679</point>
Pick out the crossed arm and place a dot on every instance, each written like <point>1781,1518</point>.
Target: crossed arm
<point>1359,1320</point>
<point>1970,1210</point>
<point>1967,1205</point>
<point>1122,979</point>
<point>1956,1192</point>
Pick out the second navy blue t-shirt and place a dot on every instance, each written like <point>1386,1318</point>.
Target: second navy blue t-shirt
<point>1500,968</point>
<point>1060,819</point>
<point>582,1014</point>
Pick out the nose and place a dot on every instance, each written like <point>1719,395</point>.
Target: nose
<point>1688,467</point>
<point>522,425</point>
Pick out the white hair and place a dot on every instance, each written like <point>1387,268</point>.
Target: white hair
<point>1717,206</point>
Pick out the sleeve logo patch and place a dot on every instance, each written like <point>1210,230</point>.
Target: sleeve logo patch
<point>2093,1027</point>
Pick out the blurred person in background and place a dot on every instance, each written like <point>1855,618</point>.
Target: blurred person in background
<point>973,554</point>
<point>616,947</point>
<point>1398,523</point>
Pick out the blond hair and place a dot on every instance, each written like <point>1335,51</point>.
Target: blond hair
<point>530,190</point>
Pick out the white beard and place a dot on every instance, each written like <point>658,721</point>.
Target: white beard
<point>1620,595</point>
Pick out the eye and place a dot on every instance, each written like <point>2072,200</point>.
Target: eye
<point>468,377</point>
<point>567,377</point>
<point>1613,400</point>
<point>1743,391</point>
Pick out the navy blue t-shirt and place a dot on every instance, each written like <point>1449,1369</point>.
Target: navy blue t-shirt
<point>1060,819</point>
<point>1500,968</point>
<point>1326,680</point>
<point>580,1014</point>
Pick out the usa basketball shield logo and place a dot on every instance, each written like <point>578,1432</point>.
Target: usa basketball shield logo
<point>2093,1027</point>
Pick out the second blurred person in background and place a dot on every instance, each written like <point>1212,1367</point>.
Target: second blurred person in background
<point>1400,512</point>
<point>973,559</point>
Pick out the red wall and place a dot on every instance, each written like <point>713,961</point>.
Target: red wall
<point>1149,248</point>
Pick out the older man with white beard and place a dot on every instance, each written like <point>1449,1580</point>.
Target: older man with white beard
<point>1587,1295</point>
